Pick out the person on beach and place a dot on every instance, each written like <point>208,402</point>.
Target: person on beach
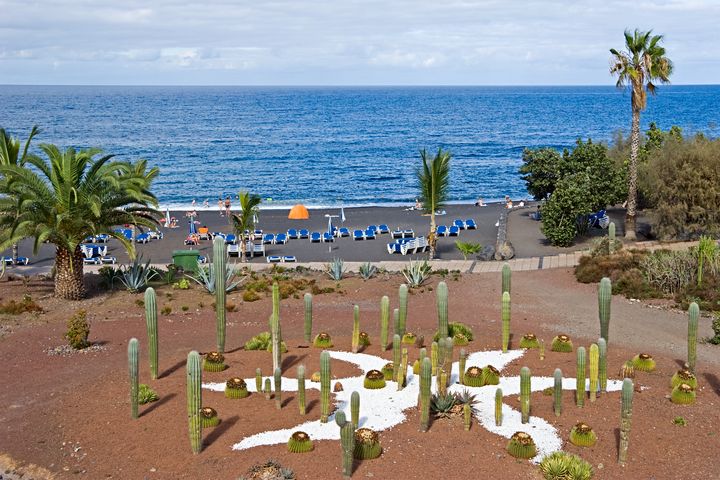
<point>220,205</point>
<point>508,202</point>
<point>193,204</point>
<point>227,206</point>
<point>418,204</point>
<point>480,202</point>
<point>206,203</point>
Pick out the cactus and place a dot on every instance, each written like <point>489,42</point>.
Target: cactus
<point>580,378</point>
<point>301,388</point>
<point>525,394</point>
<point>625,419</point>
<point>397,354</point>
<point>557,392</point>
<point>611,237</point>
<point>541,350</point>
<point>396,320</point>
<point>384,319</point>
<point>529,340</point>
<point>434,357</point>
<point>594,360</point>
<point>209,417</point>
<point>683,394</point>
<point>133,368</point>
<point>367,444</point>
<point>258,380</point>
<point>505,321</point>
<point>442,309</point>
<point>473,377</point>
<point>683,376</point>
<point>521,445</point>
<point>267,389</point>
<point>388,371</point>
<point>300,442</point>
<point>408,339</point>
<point>643,362</point>
<point>340,419</point>
<point>194,400</point>
<point>322,340</point>
<point>425,384</point>
<point>467,415</point>
<point>374,379</point>
<point>152,330</point>
<point>461,369</point>
<point>219,267</point>
<point>214,362</point>
<point>402,311</point>
<point>356,329</point>
<point>582,435</point>
<point>402,371</point>
<point>498,407</point>
<point>442,378</point>
<point>561,343</point>
<point>604,300</point>
<point>490,375</point>
<point>355,409</point>
<point>693,314</point>
<point>602,364</point>
<point>236,388</point>
<point>347,440</point>
<point>324,386</point>
<point>449,353</point>
<point>275,333</point>
<point>506,275</point>
<point>278,388</point>
<point>308,317</point>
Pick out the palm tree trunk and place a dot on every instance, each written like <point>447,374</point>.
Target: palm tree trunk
<point>69,283</point>
<point>632,176</point>
<point>14,253</point>
<point>432,235</point>
<point>243,249</point>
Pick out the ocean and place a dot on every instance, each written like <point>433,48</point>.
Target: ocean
<point>330,146</point>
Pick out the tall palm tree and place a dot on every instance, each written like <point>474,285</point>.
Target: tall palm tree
<point>434,182</point>
<point>71,195</point>
<point>10,155</point>
<point>244,222</point>
<point>638,68</point>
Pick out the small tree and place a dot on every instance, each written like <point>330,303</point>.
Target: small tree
<point>467,248</point>
<point>434,183</point>
<point>244,222</point>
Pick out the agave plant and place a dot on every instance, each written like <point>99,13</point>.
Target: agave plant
<point>136,276</point>
<point>367,270</point>
<point>442,405</point>
<point>416,273</point>
<point>336,269</point>
<point>206,277</point>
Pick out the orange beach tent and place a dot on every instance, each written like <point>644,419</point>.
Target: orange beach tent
<point>299,212</point>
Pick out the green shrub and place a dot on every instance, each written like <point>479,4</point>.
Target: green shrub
<point>78,330</point>
<point>182,284</point>
<point>166,310</point>
<point>146,394</point>
<point>467,248</point>
<point>669,271</point>
<point>715,340</point>
<point>565,466</point>
<point>250,296</point>
<point>108,276</point>
<point>27,304</point>
<point>456,328</point>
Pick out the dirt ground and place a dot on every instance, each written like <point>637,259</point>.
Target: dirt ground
<point>70,414</point>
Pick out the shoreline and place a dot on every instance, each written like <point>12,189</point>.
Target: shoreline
<point>177,208</point>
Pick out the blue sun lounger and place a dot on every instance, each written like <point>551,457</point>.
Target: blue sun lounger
<point>292,233</point>
<point>328,237</point>
<point>143,238</point>
<point>370,233</point>
<point>230,239</point>
<point>315,237</point>
<point>273,259</point>
<point>453,231</point>
<point>268,239</point>
<point>303,233</point>
<point>383,229</point>
<point>441,230</point>
<point>470,224</point>
<point>343,232</point>
<point>20,260</point>
<point>358,235</point>
<point>280,239</point>
<point>459,223</point>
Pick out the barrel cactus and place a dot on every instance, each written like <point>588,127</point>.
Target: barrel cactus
<point>490,375</point>
<point>561,343</point>
<point>683,376</point>
<point>322,340</point>
<point>214,362</point>
<point>521,445</point>
<point>408,339</point>
<point>473,377</point>
<point>374,379</point>
<point>582,435</point>
<point>300,442</point>
<point>236,388</point>
<point>683,394</point>
<point>529,340</point>
<point>643,362</point>
<point>209,417</point>
<point>388,371</point>
<point>364,339</point>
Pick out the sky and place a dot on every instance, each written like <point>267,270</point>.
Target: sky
<point>345,42</point>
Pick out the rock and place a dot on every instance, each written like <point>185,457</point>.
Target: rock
<point>487,253</point>
<point>505,251</point>
<point>338,387</point>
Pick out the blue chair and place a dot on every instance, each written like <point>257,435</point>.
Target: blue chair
<point>292,233</point>
<point>268,239</point>
<point>303,233</point>
<point>599,220</point>
<point>289,259</point>
<point>470,224</point>
<point>383,229</point>
<point>397,233</point>
<point>441,230</point>
<point>408,233</point>
<point>280,239</point>
<point>343,232</point>
<point>89,239</point>
<point>459,223</point>
<point>453,231</point>
<point>218,234</point>
<point>108,260</point>
<point>328,237</point>
<point>369,234</point>
<point>315,237</point>
<point>394,247</point>
<point>230,239</point>
<point>20,260</point>
<point>273,259</point>
<point>143,238</point>
<point>374,228</point>
<point>92,261</point>
<point>102,238</point>
<point>358,235</point>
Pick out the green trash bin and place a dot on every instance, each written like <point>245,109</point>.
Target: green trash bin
<point>186,259</point>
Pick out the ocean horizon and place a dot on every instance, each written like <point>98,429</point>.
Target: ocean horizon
<point>337,146</point>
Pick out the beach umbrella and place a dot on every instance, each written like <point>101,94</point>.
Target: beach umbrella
<point>167,217</point>
<point>299,212</point>
<point>342,214</point>
<point>330,227</point>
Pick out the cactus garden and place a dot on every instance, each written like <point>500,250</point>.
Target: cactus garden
<point>355,383</point>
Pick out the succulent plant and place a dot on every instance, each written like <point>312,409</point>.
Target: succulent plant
<point>521,445</point>
<point>384,321</point>
<point>683,394</point>
<point>402,371</point>
<point>275,331</point>
<point>693,314</point>
<point>388,371</point>
<point>467,416</point>
<point>146,394</point>
<point>580,378</point>
<point>529,340</point>
<point>416,367</point>
<point>460,340</point>
<point>594,359</point>
<point>505,315</point>
<point>541,349</point>
<point>347,440</point>
<point>340,418</point>
<point>236,388</point>
<point>582,435</point>
<point>408,338</point>
<point>461,366</point>
<point>133,370</point>
<point>219,256</point>
<point>625,419</point>
<point>367,444</point>
<point>194,400</point>
<point>434,357</point>
<point>402,310</point>
<point>258,380</point>
<point>627,370</point>
<point>267,389</point>
<point>364,339</point>
<point>557,392</point>
<point>604,301</point>
<point>683,376</point>
<point>315,377</point>
<point>278,388</point>
<point>490,375</point>
<point>307,326</point>
<point>356,329</point>
<point>441,404</point>
<point>643,362</point>
<point>209,417</point>
<point>506,278</point>
<point>565,466</point>
<point>322,340</point>
<point>561,343</point>
<point>425,386</point>
<point>442,309</point>
<point>355,409</point>
<point>324,386</point>
<point>473,377</point>
<point>301,388</point>
<point>152,330</point>
<point>525,379</point>
<point>602,364</point>
<point>498,406</point>
<point>338,387</point>
<point>374,379</point>
<point>214,362</point>
<point>397,353</point>
<point>299,442</point>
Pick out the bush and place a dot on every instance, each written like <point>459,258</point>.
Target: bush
<point>250,296</point>
<point>27,304</point>
<point>108,276</point>
<point>263,341</point>
<point>182,284</point>
<point>669,271</point>
<point>456,328</point>
<point>78,330</point>
<point>467,248</point>
<point>146,394</point>
<point>715,340</point>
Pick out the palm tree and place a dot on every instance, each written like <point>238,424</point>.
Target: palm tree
<point>10,155</point>
<point>434,181</point>
<point>244,222</point>
<point>70,196</point>
<point>638,68</point>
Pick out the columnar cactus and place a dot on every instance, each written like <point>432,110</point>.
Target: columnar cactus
<point>356,329</point>
<point>347,440</point>
<point>340,418</point>
<point>152,330</point>
<point>397,353</point>
<point>442,309</point>
<point>461,371</point>
<point>301,388</point>
<point>467,415</point>
<point>449,353</point>
<point>625,419</point>
<point>611,237</point>
<point>402,370</point>
<point>498,407</point>
<point>194,400</point>
<point>693,315</point>
<point>324,386</point>
<point>384,319</point>
<point>557,392</point>
<point>434,357</point>
<point>219,268</point>
<point>276,335</point>
<point>402,311</point>
<point>541,350</point>
<point>425,384</point>
<point>442,378</point>
<point>355,409</point>
<point>505,321</point>
<point>258,380</point>
<point>308,317</point>
<point>602,364</point>
<point>133,368</point>
<point>604,301</point>
<point>580,377</point>
<point>267,389</point>
<point>278,388</point>
<point>506,273</point>
<point>594,364</point>
<point>525,394</point>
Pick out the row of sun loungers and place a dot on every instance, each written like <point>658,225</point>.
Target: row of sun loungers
<point>406,246</point>
<point>20,260</point>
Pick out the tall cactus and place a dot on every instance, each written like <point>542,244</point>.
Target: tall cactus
<point>402,370</point>
<point>434,357</point>
<point>194,400</point>
<point>693,315</point>
<point>384,319</point>
<point>402,311</point>
<point>461,366</point>
<point>219,268</point>
<point>611,237</point>
<point>525,394</point>
<point>356,329</point>
<point>278,388</point>
<point>506,275</point>
<point>301,388</point>
<point>347,440</point>
<point>133,368</point>
<point>308,317</point>
<point>258,380</point>
<point>498,407</point>
<point>594,367</point>
<point>580,378</point>
<point>425,384</point>
<point>267,389</point>
<point>442,309</point>
<point>152,330</point>
<point>467,415</point>
<point>625,419</point>
<point>276,335</point>
<point>324,386</point>
<point>355,409</point>
<point>557,392</point>
<point>505,321</point>
<point>604,301</point>
<point>397,353</point>
<point>602,364</point>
